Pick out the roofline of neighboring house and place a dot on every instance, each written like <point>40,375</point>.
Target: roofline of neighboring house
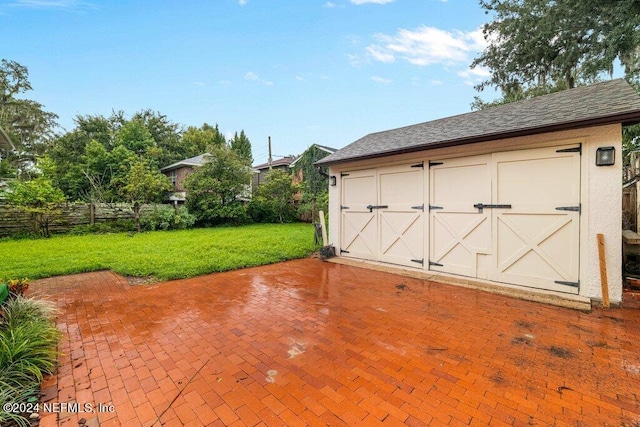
<point>322,147</point>
<point>178,165</point>
<point>191,161</point>
<point>4,138</point>
<point>625,119</point>
<point>275,163</point>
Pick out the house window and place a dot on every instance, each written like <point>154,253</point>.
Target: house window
<point>172,178</point>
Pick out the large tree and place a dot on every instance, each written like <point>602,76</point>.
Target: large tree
<point>539,46</point>
<point>242,146</point>
<point>26,122</point>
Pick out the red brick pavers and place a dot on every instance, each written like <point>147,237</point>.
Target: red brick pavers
<point>313,343</point>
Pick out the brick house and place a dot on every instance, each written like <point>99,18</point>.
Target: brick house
<point>178,172</point>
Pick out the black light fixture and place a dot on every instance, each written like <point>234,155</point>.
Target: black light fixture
<point>605,156</point>
<point>333,180</point>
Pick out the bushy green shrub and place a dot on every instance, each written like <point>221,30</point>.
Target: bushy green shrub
<point>117,226</point>
<point>165,217</point>
<point>28,342</point>
<point>183,219</point>
<point>264,210</point>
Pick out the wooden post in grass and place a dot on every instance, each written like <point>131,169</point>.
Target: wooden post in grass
<point>324,228</point>
<point>603,271</point>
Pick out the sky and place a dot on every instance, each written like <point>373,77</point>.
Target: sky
<point>299,71</point>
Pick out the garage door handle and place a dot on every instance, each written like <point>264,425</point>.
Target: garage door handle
<point>481,206</point>
<point>372,207</point>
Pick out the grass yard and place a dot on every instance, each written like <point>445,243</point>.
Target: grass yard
<point>164,255</point>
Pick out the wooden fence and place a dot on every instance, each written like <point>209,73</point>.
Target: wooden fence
<point>14,221</point>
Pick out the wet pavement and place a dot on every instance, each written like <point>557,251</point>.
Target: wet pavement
<point>307,342</point>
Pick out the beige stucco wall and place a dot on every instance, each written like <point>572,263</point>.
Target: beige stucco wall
<point>601,196</point>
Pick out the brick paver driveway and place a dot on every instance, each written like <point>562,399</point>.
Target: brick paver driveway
<point>313,343</point>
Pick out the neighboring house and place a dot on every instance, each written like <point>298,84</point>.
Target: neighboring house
<point>178,172</point>
<point>508,197</point>
<point>261,171</point>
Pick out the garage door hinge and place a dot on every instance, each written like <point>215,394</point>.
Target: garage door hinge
<point>577,149</point>
<point>574,284</point>
<point>419,207</point>
<point>342,251</point>
<point>419,165</point>
<point>418,261</point>
<point>431,164</point>
<point>344,207</point>
<point>435,264</point>
<point>344,174</point>
<point>432,207</point>
<point>569,208</point>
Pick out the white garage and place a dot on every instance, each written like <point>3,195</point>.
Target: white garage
<point>513,195</point>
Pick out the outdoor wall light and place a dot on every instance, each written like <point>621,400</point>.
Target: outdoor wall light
<point>605,156</point>
<point>333,180</point>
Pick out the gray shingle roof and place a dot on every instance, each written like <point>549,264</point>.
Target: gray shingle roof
<point>614,101</point>
<point>191,161</point>
<point>285,161</point>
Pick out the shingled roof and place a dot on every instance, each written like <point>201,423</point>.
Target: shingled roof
<point>614,101</point>
<point>191,161</point>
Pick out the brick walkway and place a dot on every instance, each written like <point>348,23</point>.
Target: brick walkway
<point>312,343</point>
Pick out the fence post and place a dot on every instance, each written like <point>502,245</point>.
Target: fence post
<point>92,213</point>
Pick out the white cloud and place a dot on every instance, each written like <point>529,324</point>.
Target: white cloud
<point>474,76</point>
<point>51,4</point>
<point>436,82</point>
<point>381,80</point>
<point>329,5</point>
<point>243,2</point>
<point>250,75</point>
<point>299,78</point>
<point>359,2</point>
<point>378,53</point>
<point>199,84</point>
<point>427,45</point>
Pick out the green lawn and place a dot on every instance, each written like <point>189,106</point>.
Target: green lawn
<point>164,255</point>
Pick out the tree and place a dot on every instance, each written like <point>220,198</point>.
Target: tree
<point>242,146</point>
<point>541,46</point>
<point>315,186</point>
<point>39,198</point>
<point>26,122</point>
<point>215,190</point>
<point>276,195</point>
<point>198,140</point>
<point>135,137</point>
<point>166,135</point>
<point>218,138</point>
<point>144,184</point>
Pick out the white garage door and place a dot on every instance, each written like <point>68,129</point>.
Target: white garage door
<point>511,217</point>
<point>382,214</point>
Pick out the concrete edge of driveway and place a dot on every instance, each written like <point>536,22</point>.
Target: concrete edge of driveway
<point>575,302</point>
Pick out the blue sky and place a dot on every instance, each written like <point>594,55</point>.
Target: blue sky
<point>300,71</point>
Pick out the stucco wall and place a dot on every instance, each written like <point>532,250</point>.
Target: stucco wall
<point>601,195</point>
